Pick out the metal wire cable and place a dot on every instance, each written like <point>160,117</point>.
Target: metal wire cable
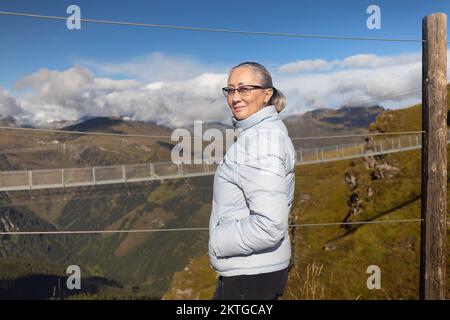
<point>85,133</point>
<point>359,135</point>
<point>374,100</point>
<point>194,229</point>
<point>386,97</point>
<point>169,137</point>
<point>216,30</point>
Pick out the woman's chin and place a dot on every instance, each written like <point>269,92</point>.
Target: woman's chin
<point>240,115</point>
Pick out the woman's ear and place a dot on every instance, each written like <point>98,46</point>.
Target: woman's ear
<point>269,94</point>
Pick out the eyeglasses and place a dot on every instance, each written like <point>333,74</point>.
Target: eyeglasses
<point>242,90</point>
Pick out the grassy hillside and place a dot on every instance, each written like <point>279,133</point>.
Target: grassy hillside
<point>345,252</point>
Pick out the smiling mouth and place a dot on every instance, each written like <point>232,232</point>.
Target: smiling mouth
<point>238,108</point>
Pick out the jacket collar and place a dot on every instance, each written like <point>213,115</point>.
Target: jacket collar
<point>255,118</point>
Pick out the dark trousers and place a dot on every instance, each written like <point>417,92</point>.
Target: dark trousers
<point>263,286</point>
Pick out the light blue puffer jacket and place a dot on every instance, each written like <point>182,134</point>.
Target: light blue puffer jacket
<point>252,198</point>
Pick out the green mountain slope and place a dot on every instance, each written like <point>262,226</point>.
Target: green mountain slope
<point>143,263</point>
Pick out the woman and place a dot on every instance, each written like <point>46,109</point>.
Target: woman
<point>249,244</point>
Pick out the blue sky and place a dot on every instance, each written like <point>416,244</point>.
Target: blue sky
<point>153,55</point>
<point>29,44</point>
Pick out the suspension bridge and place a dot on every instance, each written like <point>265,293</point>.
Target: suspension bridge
<point>129,173</point>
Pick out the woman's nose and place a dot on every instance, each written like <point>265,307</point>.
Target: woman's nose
<point>236,97</point>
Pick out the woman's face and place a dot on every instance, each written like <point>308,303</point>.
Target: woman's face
<point>244,106</point>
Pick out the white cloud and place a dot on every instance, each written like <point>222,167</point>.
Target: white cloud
<point>359,61</point>
<point>305,66</point>
<point>363,79</point>
<point>46,96</point>
<point>352,87</point>
<point>8,105</point>
<point>371,61</point>
<point>156,66</point>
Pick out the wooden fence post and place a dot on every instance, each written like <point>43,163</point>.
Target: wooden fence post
<point>434,157</point>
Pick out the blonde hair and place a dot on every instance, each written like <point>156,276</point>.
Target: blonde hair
<point>278,99</point>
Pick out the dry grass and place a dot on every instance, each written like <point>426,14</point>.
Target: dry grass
<point>311,285</point>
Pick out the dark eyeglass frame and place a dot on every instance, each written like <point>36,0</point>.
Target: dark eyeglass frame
<point>243,90</point>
